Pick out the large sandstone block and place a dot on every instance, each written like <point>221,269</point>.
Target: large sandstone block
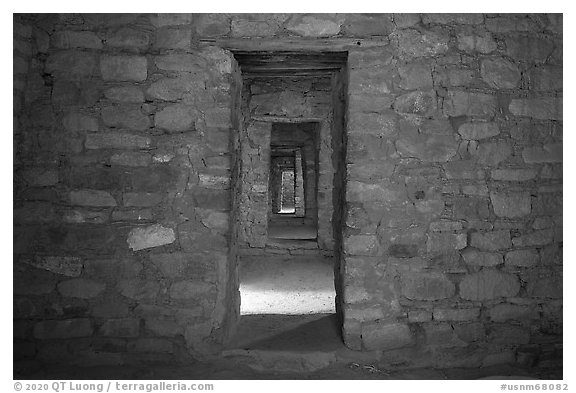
<point>149,237</point>
<point>212,25</point>
<point>76,122</point>
<point>460,103</point>
<point>195,290</point>
<point>481,42</point>
<point>477,258</point>
<point>441,335</point>
<point>426,286</point>
<point>364,192</point>
<point>505,312</point>
<point>361,245</point>
<point>250,26</point>
<point>507,334</point>
<point>489,284</point>
<point>456,314</point>
<point>415,75</point>
<point>426,43</point>
<point>536,238</point>
<point>128,94</point>
<point>315,25</point>
<point>511,204</point>
<point>116,140</point>
<point>493,153</point>
<point>529,48</point>
<point>429,148</point>
<point>491,241</point>
<point>124,68</point>
<point>172,89</point>
<point>360,25</point>
<point>81,288</point>
<point>477,131</point>
<point>421,103</point>
<point>523,258</point>
<point>441,242</point>
<point>547,108</point>
<point>64,329</point>
<point>128,117</point>
<point>546,153</point>
<point>545,78</point>
<point>140,290</point>
<point>385,335</point>
<point>75,39</point>
<point>131,158</point>
<point>177,118</point>
<point>141,199</point>
<point>383,124</point>
<point>128,38</point>
<point>72,65</point>
<point>545,287</point>
<point>453,19</point>
<point>64,265</point>
<point>500,73</point>
<point>123,327</point>
<point>172,265</point>
<point>513,174</point>
<point>92,198</point>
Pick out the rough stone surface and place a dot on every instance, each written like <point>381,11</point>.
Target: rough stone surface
<point>151,236</point>
<point>456,314</point>
<point>176,118</point>
<point>81,288</point>
<point>477,258</point>
<point>511,205</point>
<point>386,336</point>
<point>116,141</point>
<point>66,266</point>
<point>123,327</point>
<point>129,118</point>
<point>426,286</point>
<point>537,108</point>
<point>478,131</point>
<point>488,284</point>
<point>499,73</point>
<point>314,26</point>
<point>522,258</point>
<point>124,68</point>
<point>439,242</point>
<point>545,153</point>
<point>92,198</point>
<point>431,148</point>
<point>64,329</point>
<point>491,241</point>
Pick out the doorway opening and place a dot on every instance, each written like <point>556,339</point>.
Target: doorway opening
<point>291,147</point>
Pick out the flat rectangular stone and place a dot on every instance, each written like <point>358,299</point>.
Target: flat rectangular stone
<point>92,198</point>
<point>124,68</point>
<point>63,329</point>
<point>456,314</point>
<point>116,141</point>
<point>151,236</point>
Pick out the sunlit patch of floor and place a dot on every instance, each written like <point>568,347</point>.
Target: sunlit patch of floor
<point>277,285</point>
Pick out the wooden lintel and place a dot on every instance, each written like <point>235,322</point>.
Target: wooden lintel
<point>296,44</point>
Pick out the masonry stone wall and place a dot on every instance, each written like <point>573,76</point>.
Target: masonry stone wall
<point>451,195</point>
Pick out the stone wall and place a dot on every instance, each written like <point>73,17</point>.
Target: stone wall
<point>453,238</point>
<point>122,190</point>
<point>124,249</point>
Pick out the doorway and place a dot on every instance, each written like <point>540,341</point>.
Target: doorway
<point>291,172</point>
